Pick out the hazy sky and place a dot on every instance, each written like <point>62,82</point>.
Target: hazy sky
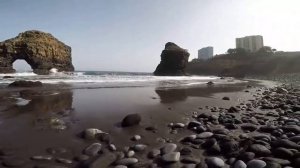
<point>129,35</point>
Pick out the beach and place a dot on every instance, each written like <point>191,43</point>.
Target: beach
<point>48,129</point>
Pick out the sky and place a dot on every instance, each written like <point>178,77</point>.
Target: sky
<point>129,35</point>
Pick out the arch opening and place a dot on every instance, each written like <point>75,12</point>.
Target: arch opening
<point>21,65</point>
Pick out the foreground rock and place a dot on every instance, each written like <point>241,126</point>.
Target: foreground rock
<point>40,50</point>
<point>173,61</point>
<point>23,83</point>
<point>131,120</point>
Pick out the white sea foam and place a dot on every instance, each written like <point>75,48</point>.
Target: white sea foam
<point>20,74</point>
<point>107,78</point>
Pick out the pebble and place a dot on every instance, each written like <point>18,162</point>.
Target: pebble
<point>215,162</point>
<point>205,135</point>
<point>226,98</point>
<point>273,165</point>
<point>185,151</point>
<point>104,160</point>
<point>130,153</point>
<point>178,125</point>
<point>40,157</point>
<point>283,153</point>
<point>193,124</point>
<point>249,127</point>
<point>282,162</point>
<point>131,120</point>
<point>93,149</point>
<point>260,150</point>
<point>171,157</point>
<point>239,164</point>
<point>127,161</point>
<point>139,147</point>
<point>112,147</point>
<point>63,160</point>
<point>168,148</point>
<point>286,144</point>
<point>104,137</point>
<point>247,156</point>
<point>136,138</point>
<point>256,164</point>
<point>154,153</point>
<point>91,133</point>
<point>120,166</point>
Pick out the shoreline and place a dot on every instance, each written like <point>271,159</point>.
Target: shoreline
<point>104,109</point>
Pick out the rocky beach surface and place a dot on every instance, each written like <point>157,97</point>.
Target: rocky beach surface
<point>246,125</point>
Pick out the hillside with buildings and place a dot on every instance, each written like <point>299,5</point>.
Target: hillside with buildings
<point>250,57</point>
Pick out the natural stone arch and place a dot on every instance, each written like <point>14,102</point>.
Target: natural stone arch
<point>40,50</point>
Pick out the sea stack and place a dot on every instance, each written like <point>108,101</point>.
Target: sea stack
<point>173,62</point>
<point>40,50</point>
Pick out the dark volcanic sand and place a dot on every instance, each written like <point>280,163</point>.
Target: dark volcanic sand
<point>27,130</point>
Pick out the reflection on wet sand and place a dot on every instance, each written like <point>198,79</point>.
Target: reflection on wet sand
<point>46,108</point>
<point>171,95</point>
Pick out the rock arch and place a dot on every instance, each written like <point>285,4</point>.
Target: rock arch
<point>40,50</point>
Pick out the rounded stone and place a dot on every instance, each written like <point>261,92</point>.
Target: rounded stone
<point>283,153</point>
<point>215,162</point>
<point>93,149</point>
<point>168,148</point>
<point>185,151</point>
<point>112,147</point>
<point>171,157</point>
<point>260,150</point>
<point>136,138</point>
<point>154,153</point>
<point>120,166</point>
<point>139,147</point>
<point>256,164</point>
<point>64,161</point>
<point>41,157</point>
<point>205,135</point>
<point>130,153</point>
<point>131,120</point>
<point>127,161</point>
<point>91,133</point>
<point>247,156</point>
<point>239,164</point>
<point>178,125</point>
<point>273,165</point>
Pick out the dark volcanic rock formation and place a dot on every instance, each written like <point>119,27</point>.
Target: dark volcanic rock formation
<point>40,50</point>
<point>173,61</point>
<point>23,83</point>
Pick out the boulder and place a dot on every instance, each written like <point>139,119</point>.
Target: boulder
<point>174,60</point>
<point>40,50</point>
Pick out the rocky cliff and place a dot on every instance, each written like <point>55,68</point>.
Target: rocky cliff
<point>40,50</point>
<point>174,60</point>
<point>263,64</point>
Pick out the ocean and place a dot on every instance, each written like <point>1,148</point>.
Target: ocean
<point>108,79</point>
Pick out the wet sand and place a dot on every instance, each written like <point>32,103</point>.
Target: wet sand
<point>56,117</point>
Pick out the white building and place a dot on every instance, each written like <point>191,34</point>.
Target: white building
<point>206,53</point>
<point>250,43</point>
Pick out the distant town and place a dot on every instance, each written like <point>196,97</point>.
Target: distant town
<point>250,44</point>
